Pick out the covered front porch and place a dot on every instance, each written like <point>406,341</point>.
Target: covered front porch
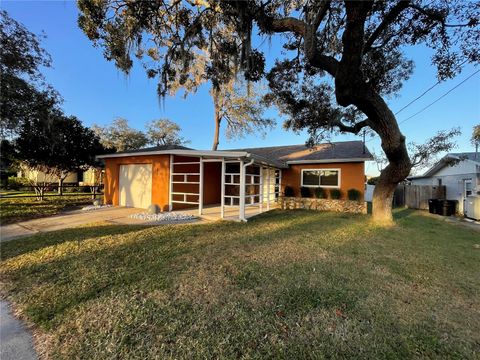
<point>223,187</point>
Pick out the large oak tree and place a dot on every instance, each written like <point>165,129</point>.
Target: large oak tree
<point>342,57</point>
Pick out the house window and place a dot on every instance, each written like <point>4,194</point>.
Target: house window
<point>321,177</point>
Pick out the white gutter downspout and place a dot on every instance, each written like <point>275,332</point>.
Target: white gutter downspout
<point>243,168</point>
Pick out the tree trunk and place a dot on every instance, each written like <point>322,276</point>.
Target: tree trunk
<point>352,89</point>
<point>382,202</point>
<point>60,186</point>
<point>218,120</point>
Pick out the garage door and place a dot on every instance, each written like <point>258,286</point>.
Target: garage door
<point>135,185</point>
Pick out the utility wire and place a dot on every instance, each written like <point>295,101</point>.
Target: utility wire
<point>440,98</point>
<point>426,91</point>
<point>432,103</point>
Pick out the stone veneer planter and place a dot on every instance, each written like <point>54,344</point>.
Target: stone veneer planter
<point>348,206</point>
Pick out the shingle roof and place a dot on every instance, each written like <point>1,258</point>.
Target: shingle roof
<point>154,148</point>
<point>335,151</point>
<point>473,156</point>
<point>278,156</point>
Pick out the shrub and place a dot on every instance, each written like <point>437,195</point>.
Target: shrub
<point>305,192</point>
<point>320,193</point>
<point>16,183</point>
<point>289,191</point>
<point>354,194</point>
<point>335,194</point>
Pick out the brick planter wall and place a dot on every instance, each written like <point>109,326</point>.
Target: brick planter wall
<point>346,206</point>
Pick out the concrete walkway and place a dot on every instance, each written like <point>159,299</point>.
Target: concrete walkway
<point>115,215</point>
<point>16,342</point>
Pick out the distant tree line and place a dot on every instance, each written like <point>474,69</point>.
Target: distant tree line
<point>36,134</point>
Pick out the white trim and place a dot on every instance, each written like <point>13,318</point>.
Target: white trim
<point>202,183</point>
<point>327,161</point>
<point>241,212</point>
<point>320,185</point>
<point>268,188</point>
<point>222,201</point>
<point>261,190</point>
<point>216,153</point>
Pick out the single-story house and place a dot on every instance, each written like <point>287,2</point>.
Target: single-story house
<point>458,172</point>
<point>81,177</point>
<point>176,177</point>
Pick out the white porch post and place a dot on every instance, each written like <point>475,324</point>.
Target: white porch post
<point>200,195</point>
<point>279,182</point>
<point>222,201</point>
<point>268,189</point>
<point>170,186</point>
<point>261,189</point>
<point>241,214</point>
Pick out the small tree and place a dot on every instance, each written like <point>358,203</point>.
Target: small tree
<point>476,137</point>
<point>120,136</point>
<point>164,132</point>
<point>56,145</point>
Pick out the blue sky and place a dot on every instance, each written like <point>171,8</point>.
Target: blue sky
<point>96,92</point>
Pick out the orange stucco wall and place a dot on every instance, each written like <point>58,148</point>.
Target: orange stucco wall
<point>160,177</point>
<point>352,176</point>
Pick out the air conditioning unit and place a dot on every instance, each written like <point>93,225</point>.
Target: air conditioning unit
<point>472,207</point>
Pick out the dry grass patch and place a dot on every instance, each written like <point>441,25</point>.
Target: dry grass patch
<point>293,284</point>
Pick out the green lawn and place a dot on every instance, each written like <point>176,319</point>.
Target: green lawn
<point>285,285</point>
<point>19,209</point>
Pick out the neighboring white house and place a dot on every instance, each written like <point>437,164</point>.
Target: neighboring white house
<point>461,179</point>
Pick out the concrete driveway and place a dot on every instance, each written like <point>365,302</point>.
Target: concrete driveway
<point>16,341</point>
<point>115,215</point>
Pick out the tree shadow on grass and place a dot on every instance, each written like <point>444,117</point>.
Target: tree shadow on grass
<point>39,241</point>
<point>401,213</point>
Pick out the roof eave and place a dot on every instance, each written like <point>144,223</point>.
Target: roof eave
<point>324,161</point>
<point>205,153</point>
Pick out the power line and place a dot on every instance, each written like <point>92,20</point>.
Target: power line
<point>440,98</point>
<point>426,91</point>
<point>435,101</point>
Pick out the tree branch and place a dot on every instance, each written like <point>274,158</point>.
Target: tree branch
<point>268,23</point>
<point>322,11</point>
<point>438,16</point>
<point>387,20</point>
<point>354,129</point>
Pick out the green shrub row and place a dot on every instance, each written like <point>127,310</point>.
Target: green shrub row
<point>321,193</point>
